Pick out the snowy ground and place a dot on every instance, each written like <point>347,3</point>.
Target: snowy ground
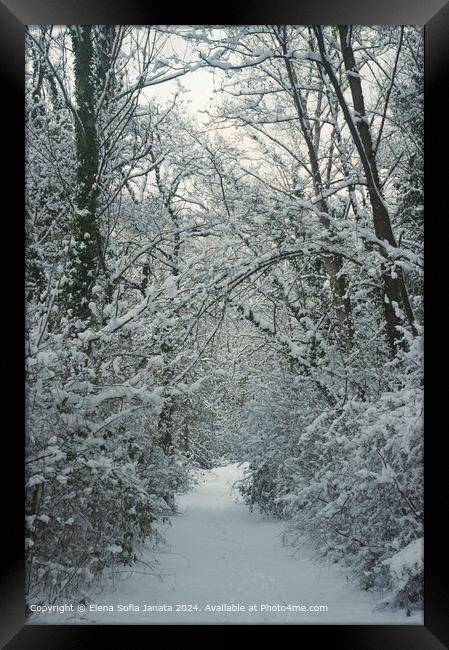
<point>220,554</point>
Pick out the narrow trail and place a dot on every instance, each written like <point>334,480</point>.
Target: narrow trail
<point>221,554</point>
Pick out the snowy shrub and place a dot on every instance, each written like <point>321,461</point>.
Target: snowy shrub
<point>350,480</point>
<point>406,569</point>
<point>96,484</point>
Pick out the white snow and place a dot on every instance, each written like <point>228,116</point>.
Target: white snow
<point>170,286</point>
<point>222,557</point>
<point>407,560</point>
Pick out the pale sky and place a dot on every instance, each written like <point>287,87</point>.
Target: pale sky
<point>198,86</point>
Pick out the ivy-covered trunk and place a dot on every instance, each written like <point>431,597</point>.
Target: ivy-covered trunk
<point>86,250</point>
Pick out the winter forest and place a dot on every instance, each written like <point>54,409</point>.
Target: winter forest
<point>224,307</point>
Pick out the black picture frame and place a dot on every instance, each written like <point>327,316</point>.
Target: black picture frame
<point>14,15</point>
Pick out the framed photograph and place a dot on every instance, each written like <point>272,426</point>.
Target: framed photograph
<point>225,306</point>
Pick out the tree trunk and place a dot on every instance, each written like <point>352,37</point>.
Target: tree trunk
<point>86,252</point>
<point>333,263</point>
<point>395,289</point>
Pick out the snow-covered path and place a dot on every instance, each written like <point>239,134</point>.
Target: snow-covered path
<point>221,554</point>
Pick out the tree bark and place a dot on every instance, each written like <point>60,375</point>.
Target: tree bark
<point>396,293</point>
<point>333,263</point>
<point>86,252</point>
